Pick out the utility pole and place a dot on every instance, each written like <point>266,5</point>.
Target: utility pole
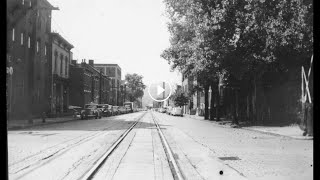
<point>100,81</point>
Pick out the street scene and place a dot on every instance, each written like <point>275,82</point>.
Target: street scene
<point>159,89</point>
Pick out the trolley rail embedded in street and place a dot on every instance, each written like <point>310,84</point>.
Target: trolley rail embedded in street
<point>90,174</point>
<point>173,164</point>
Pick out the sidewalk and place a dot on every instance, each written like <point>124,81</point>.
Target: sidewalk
<point>20,124</point>
<point>292,131</point>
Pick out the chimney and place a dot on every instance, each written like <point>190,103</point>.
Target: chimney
<point>83,62</point>
<point>74,62</point>
<point>91,62</point>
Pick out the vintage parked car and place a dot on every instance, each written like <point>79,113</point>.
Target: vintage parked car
<point>115,110</point>
<point>90,110</point>
<point>123,110</point>
<point>168,110</point>
<point>176,111</point>
<point>76,111</point>
<point>105,110</point>
<point>162,110</point>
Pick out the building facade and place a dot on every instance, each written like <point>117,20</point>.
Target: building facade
<point>61,55</point>
<point>88,84</point>
<point>114,72</point>
<point>28,31</point>
<point>196,103</point>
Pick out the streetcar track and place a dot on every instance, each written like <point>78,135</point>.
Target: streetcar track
<point>59,144</point>
<point>99,163</point>
<point>37,160</point>
<point>176,174</point>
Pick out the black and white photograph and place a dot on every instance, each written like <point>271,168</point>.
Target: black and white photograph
<point>159,89</point>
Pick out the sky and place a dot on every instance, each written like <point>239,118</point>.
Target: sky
<point>131,33</point>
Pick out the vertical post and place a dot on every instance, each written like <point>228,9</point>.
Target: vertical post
<point>302,88</point>
<point>10,93</point>
<point>125,89</point>
<point>100,81</point>
<point>164,92</point>
<point>206,102</point>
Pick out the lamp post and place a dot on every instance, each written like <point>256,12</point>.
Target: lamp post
<point>125,90</point>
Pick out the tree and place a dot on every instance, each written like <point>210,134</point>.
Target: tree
<point>180,100</point>
<point>135,87</point>
<point>245,39</point>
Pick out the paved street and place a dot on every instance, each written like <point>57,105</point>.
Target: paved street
<point>259,155</point>
<point>201,149</point>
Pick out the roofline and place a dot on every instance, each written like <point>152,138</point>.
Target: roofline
<point>63,39</point>
<point>107,65</point>
<point>50,5</point>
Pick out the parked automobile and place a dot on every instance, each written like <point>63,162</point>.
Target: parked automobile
<point>110,109</point>
<point>105,110</point>
<point>162,110</point>
<point>168,110</point>
<point>176,111</point>
<point>115,110</point>
<point>90,110</point>
<point>132,106</point>
<point>128,109</point>
<point>76,111</point>
<point>122,110</point>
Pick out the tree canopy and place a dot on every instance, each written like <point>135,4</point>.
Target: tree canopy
<point>135,86</point>
<point>212,37</point>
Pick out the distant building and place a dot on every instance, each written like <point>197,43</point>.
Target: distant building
<point>61,57</point>
<point>114,72</point>
<point>196,101</point>
<point>28,30</point>
<point>88,84</point>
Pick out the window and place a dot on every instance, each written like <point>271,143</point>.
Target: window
<point>30,3</point>
<point>21,38</point>
<point>12,34</point>
<point>55,63</point>
<point>38,13</point>
<point>37,46</point>
<point>45,49</point>
<point>29,42</point>
<point>22,2</point>
<point>61,60</point>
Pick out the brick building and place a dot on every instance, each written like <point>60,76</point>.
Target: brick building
<point>61,56</point>
<point>114,72</point>
<point>87,84</point>
<point>28,30</point>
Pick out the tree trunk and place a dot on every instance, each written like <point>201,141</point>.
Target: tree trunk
<point>218,104</point>
<point>206,102</point>
<point>212,102</point>
<point>254,101</point>
<point>248,108</point>
<point>235,109</point>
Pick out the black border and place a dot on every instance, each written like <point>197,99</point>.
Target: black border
<point>3,131</point>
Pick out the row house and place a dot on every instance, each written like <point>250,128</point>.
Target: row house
<point>28,32</point>
<point>114,72</point>
<point>87,84</point>
<point>196,103</point>
<point>59,77</point>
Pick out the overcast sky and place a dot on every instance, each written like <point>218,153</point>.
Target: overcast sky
<point>131,33</point>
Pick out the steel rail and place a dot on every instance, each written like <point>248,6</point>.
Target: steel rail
<point>169,152</point>
<point>90,174</point>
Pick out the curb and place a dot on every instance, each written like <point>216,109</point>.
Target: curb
<point>280,135</point>
<point>18,127</point>
<point>245,128</point>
